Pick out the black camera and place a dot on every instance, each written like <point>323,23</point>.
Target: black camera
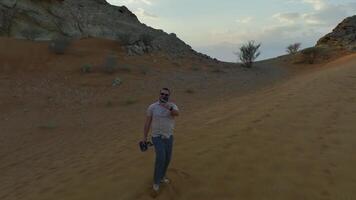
<point>144,145</point>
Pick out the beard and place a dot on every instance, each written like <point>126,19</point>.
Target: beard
<point>163,99</point>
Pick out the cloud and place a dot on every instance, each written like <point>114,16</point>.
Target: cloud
<point>130,2</point>
<point>261,34</point>
<point>287,17</point>
<point>324,14</point>
<point>304,27</point>
<point>244,20</point>
<point>138,7</point>
<point>317,4</point>
<point>141,13</point>
<point>146,2</point>
<point>329,15</point>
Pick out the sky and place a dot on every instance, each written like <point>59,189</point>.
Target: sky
<point>220,28</point>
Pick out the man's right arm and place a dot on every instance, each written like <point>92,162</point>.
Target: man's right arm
<point>147,127</point>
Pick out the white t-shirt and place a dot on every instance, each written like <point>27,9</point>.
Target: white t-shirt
<point>162,121</point>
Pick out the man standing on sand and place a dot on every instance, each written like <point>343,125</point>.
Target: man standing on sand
<point>160,115</point>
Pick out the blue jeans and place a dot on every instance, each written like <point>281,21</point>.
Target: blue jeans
<point>163,149</point>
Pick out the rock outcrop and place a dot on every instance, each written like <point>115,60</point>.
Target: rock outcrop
<point>50,19</point>
<point>343,36</point>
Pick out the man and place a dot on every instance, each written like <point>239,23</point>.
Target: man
<point>160,116</point>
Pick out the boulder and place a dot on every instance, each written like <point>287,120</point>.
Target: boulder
<point>343,36</point>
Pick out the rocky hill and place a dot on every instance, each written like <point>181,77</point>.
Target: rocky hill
<point>50,19</point>
<point>343,36</point>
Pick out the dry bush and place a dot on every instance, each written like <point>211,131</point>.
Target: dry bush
<point>293,48</point>
<point>248,53</point>
<point>87,68</point>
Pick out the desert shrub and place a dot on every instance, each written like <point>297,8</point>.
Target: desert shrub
<point>59,45</point>
<point>110,64</point>
<point>293,48</point>
<point>87,68</point>
<point>310,55</point>
<point>248,53</point>
<point>117,81</point>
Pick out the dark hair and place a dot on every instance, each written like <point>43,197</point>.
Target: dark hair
<point>166,89</point>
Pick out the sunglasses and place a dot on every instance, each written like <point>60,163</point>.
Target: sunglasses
<point>164,94</point>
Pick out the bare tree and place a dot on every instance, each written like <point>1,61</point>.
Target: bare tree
<point>248,53</point>
<point>293,48</point>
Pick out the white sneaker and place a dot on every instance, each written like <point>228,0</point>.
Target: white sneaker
<point>165,180</point>
<point>155,187</point>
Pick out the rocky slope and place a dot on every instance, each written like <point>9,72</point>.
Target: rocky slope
<point>49,19</point>
<point>343,36</point>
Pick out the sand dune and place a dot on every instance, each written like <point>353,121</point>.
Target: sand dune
<point>292,141</point>
<point>241,134</point>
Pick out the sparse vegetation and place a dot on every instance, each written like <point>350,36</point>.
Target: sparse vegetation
<point>310,54</point>
<point>59,45</point>
<point>116,82</point>
<point>87,68</point>
<point>293,48</point>
<point>110,64</point>
<point>248,53</point>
